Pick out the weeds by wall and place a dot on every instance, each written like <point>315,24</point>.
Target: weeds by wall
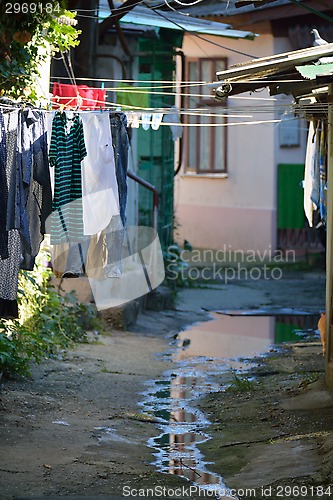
<point>48,322</point>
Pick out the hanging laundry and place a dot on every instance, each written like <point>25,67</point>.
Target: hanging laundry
<point>3,191</point>
<point>145,117</point>
<point>66,94</point>
<point>25,198</point>
<point>9,271</point>
<point>156,121</point>
<point>27,150</point>
<point>132,97</point>
<point>115,232</point>
<point>33,156</point>
<point>315,177</point>
<point>9,266</point>
<point>120,141</point>
<point>99,182</point>
<point>309,173</point>
<point>322,172</point>
<point>19,180</point>
<point>105,177</point>
<point>315,191</point>
<point>67,150</point>
<point>135,120</point>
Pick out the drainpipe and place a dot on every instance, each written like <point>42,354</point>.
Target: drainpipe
<point>329,246</point>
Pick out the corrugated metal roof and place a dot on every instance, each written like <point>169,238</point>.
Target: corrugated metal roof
<point>313,71</point>
<point>175,21</point>
<point>145,16</point>
<point>225,8</point>
<point>278,72</point>
<point>259,68</point>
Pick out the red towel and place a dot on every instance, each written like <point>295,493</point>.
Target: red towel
<point>64,93</point>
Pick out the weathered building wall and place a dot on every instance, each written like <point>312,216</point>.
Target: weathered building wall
<point>237,209</point>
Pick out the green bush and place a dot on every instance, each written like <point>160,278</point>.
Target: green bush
<point>48,322</point>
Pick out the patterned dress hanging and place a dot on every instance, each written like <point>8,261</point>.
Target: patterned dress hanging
<point>9,266</point>
<point>3,191</point>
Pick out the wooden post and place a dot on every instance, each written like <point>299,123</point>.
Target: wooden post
<point>329,247</point>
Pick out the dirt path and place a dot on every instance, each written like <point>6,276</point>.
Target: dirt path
<point>75,428</point>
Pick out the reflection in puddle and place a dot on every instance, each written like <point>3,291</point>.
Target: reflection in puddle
<point>213,347</point>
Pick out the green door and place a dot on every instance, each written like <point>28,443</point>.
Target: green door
<point>156,147</point>
<point>290,210</point>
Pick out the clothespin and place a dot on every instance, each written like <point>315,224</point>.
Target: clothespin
<point>100,106</point>
<point>79,101</point>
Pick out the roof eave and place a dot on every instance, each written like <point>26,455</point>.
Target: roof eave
<point>278,72</point>
<point>260,68</point>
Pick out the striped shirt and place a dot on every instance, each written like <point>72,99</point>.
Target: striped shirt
<point>67,150</point>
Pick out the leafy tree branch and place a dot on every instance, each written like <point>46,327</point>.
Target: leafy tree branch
<point>24,33</point>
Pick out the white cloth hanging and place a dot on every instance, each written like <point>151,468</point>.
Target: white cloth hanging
<point>156,120</point>
<point>309,173</point>
<point>146,120</point>
<point>99,183</point>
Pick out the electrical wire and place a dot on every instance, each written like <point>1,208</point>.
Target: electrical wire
<point>199,36</point>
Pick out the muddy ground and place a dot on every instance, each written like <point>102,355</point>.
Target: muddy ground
<point>75,428</point>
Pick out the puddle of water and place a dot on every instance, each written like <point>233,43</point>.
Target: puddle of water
<point>219,346</point>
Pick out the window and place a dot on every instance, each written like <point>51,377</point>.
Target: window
<point>205,141</point>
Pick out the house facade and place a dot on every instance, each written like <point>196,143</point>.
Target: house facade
<point>140,50</point>
<point>240,184</point>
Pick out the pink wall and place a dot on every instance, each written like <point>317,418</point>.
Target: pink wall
<point>241,228</point>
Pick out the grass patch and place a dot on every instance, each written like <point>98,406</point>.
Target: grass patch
<point>240,384</point>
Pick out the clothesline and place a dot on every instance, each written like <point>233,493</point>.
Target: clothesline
<point>141,90</point>
<point>185,111</point>
<point>181,84</point>
<point>172,83</point>
<point>167,110</point>
<point>140,121</point>
<point>232,111</point>
<point>274,107</point>
<point>280,107</point>
<point>227,112</point>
